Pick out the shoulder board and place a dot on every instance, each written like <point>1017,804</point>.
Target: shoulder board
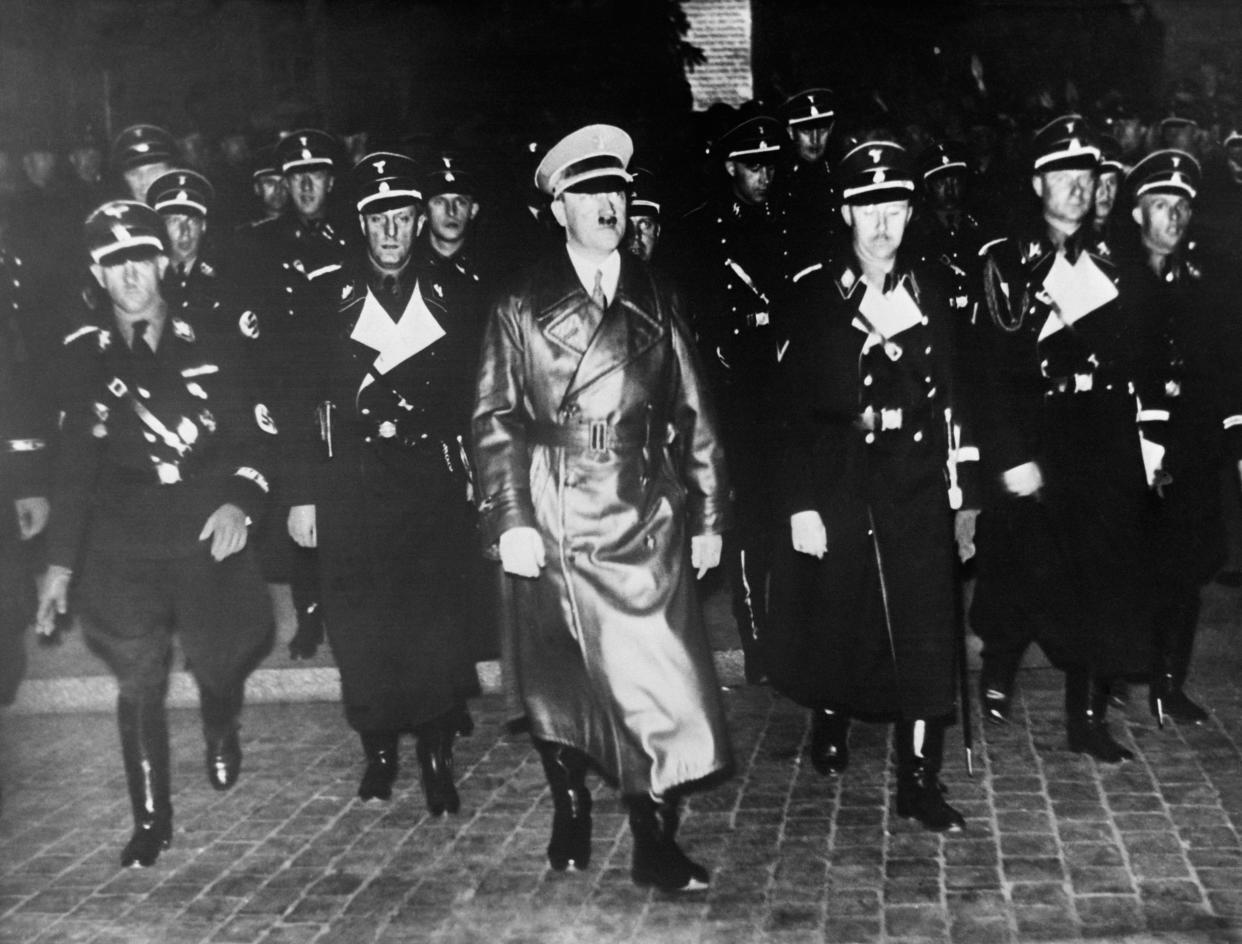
<point>322,270</point>
<point>807,271</point>
<point>81,332</point>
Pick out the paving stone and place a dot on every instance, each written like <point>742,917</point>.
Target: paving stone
<point>1058,848</point>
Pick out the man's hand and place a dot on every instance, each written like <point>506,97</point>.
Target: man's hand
<point>521,552</point>
<point>964,532</point>
<point>807,530</point>
<point>227,529</point>
<point>705,552</point>
<point>53,598</point>
<point>302,526</point>
<point>1023,480</point>
<point>31,515</point>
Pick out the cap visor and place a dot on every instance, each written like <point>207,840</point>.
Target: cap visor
<point>600,181</point>
<point>888,192</point>
<point>147,247</point>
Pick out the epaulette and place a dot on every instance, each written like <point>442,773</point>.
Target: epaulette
<point>322,270</point>
<point>807,271</point>
<point>80,332</point>
<point>983,250</point>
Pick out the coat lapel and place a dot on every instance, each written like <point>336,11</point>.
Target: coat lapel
<point>629,329</point>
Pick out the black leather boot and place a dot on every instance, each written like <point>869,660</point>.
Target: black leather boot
<point>996,684</point>
<point>1086,711</point>
<point>435,759</point>
<point>566,770</point>
<point>220,714</point>
<point>829,749</point>
<point>920,794</point>
<point>381,750</point>
<point>658,860</point>
<point>1175,642</point>
<point>144,749</point>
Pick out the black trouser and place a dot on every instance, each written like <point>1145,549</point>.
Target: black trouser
<point>220,611</point>
<point>18,562</point>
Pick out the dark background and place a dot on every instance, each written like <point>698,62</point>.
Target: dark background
<point>481,67</point>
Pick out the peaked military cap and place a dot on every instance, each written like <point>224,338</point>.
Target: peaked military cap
<point>875,172</point>
<point>139,145</point>
<point>121,227</point>
<point>1233,137</point>
<point>448,176</point>
<point>756,140</point>
<point>1166,171</point>
<point>384,180</point>
<point>181,191</point>
<point>644,194</point>
<point>1177,122</point>
<point>307,149</point>
<point>1064,143</point>
<point>1110,155</point>
<point>264,163</point>
<point>944,157</point>
<point>813,106</point>
<point>593,157</point>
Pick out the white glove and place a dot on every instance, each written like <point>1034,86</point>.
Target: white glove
<point>302,526</point>
<point>964,532</point>
<point>1023,480</point>
<point>705,552</point>
<point>807,530</point>
<point>521,552</point>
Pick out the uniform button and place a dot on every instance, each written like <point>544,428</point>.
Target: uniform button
<point>927,350</point>
<point>918,436</point>
<point>868,380</point>
<point>870,437</point>
<point>366,411</point>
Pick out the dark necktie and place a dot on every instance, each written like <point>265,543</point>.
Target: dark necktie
<point>390,286</point>
<point>598,299</point>
<point>140,345</point>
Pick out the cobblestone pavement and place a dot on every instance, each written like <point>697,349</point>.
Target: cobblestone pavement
<point>1057,847</point>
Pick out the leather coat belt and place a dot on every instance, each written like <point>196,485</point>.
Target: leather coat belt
<point>599,436</point>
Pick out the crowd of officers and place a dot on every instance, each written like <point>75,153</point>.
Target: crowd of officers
<point>854,368</point>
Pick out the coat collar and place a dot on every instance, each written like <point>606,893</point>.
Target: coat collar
<point>849,277</point>
<point>629,328</point>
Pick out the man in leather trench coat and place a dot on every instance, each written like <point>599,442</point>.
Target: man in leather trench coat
<point>601,471</point>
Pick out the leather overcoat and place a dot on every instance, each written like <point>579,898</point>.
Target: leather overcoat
<point>595,429</point>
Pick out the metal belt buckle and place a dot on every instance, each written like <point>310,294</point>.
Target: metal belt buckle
<point>1083,383</point>
<point>890,419</point>
<point>598,436</point>
<point>757,319</point>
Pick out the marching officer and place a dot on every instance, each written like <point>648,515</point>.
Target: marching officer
<point>450,208</point>
<point>864,587</point>
<point>1062,538</point>
<point>806,197</point>
<point>140,154</point>
<point>1191,404</point>
<point>602,479</point>
<point>642,234</point>
<point>731,260</point>
<point>376,474</point>
<point>295,274</point>
<point>162,466</point>
<point>184,199</point>
<point>23,466</point>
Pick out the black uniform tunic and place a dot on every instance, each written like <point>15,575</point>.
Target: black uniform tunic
<point>151,445</point>
<point>1071,565</point>
<point>393,511</point>
<point>870,627</point>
